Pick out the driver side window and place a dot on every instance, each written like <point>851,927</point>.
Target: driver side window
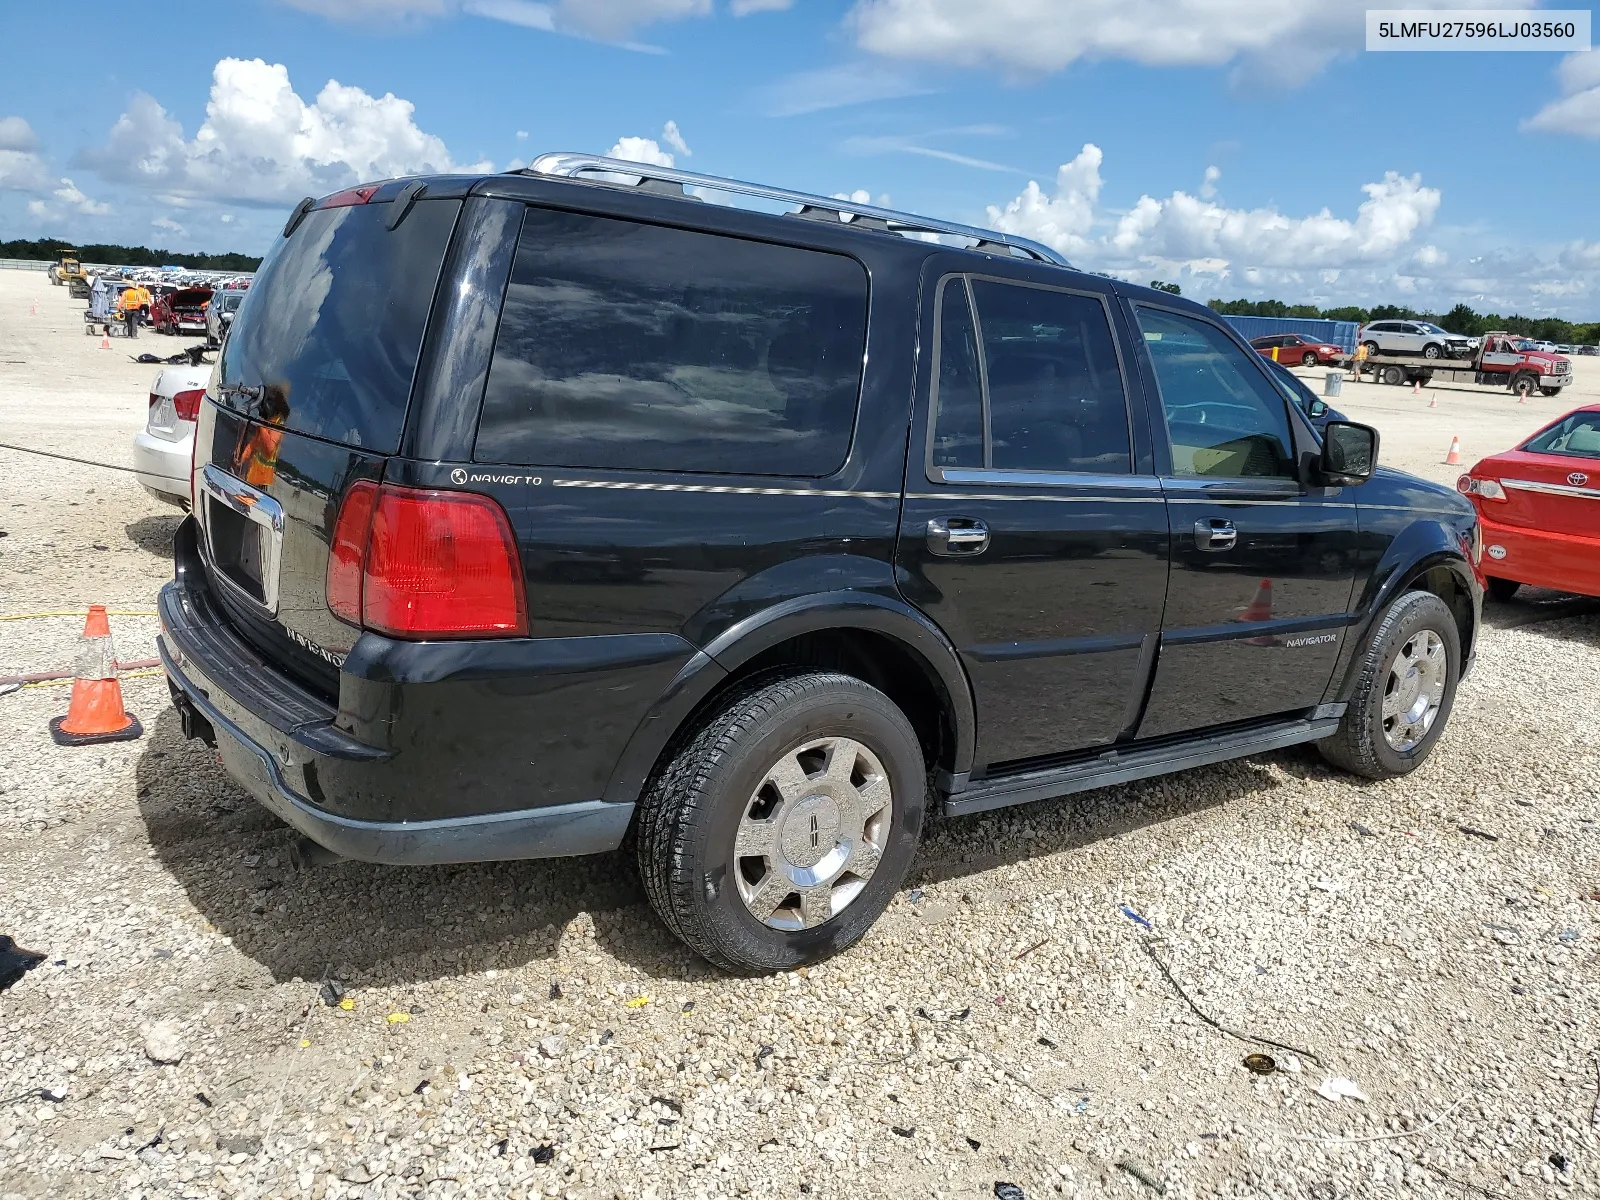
<point>1224,420</point>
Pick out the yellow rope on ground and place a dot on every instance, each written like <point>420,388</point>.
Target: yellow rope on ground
<point>110,612</point>
<point>126,675</point>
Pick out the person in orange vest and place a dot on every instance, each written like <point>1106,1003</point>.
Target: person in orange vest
<point>134,302</point>
<point>256,457</point>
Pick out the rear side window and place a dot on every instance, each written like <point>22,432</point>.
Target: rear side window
<point>327,338</point>
<point>1049,396</point>
<point>630,346</point>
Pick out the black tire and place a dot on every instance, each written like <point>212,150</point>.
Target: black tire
<point>693,804</point>
<point>1359,745</point>
<point>1393,375</point>
<point>1544,391</point>
<point>1432,350</point>
<point>1524,385</point>
<point>1502,589</point>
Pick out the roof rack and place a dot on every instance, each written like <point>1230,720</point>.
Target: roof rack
<point>824,208</point>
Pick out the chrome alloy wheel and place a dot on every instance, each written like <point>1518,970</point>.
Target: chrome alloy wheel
<point>813,833</point>
<point>1415,689</point>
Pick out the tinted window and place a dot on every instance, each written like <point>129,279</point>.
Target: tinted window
<point>328,335</point>
<point>1055,388</point>
<point>1223,416</point>
<point>958,399</point>
<point>637,346</point>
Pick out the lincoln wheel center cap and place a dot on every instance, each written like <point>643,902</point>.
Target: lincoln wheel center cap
<point>810,831</point>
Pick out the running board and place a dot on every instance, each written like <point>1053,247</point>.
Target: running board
<point>1122,766</point>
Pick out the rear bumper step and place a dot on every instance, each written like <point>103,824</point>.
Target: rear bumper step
<point>589,827</point>
<point>1123,766</point>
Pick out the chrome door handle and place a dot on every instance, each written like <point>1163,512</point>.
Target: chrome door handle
<point>1215,533</point>
<point>952,537</point>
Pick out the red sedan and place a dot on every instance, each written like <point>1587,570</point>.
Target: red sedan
<point>1296,351</point>
<point>1540,508</point>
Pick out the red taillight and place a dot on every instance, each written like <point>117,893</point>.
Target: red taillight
<point>425,564</point>
<point>187,404</point>
<point>350,197</point>
<point>348,551</point>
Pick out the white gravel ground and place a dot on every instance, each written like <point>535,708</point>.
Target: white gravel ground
<point>530,1029</point>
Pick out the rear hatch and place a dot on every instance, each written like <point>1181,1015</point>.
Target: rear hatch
<point>1553,493</point>
<point>310,395</point>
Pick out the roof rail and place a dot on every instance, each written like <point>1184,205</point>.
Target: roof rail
<point>572,166</point>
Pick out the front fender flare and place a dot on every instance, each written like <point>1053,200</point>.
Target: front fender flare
<point>759,632</point>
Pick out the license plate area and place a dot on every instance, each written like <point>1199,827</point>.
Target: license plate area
<point>243,537</point>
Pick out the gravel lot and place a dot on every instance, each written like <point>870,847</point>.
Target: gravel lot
<point>530,1029</point>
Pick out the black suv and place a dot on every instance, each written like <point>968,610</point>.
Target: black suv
<point>544,512</point>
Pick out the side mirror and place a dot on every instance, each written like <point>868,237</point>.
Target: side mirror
<point>1317,410</point>
<point>1349,453</point>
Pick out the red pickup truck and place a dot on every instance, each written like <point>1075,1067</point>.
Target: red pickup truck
<point>1501,360</point>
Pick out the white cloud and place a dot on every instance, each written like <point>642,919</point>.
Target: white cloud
<point>607,20</point>
<point>38,208</point>
<point>672,137</point>
<point>1064,220</point>
<point>21,168</point>
<point>905,145</point>
<point>226,218</point>
<point>367,10</point>
<point>522,135</point>
<point>1288,42</point>
<point>836,87</point>
<point>261,143</point>
<point>1581,256</point>
<point>1208,186</point>
<point>1578,110</point>
<point>640,150</point>
<point>68,193</point>
<point>1181,229</point>
<point>743,8</point>
<point>168,225</point>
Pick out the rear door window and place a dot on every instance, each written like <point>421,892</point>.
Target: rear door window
<point>632,346</point>
<point>1056,401</point>
<point>1033,384</point>
<point>326,339</point>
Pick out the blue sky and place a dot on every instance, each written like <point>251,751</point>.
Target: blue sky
<point>1239,147</point>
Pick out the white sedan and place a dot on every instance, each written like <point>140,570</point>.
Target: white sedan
<point>163,451</point>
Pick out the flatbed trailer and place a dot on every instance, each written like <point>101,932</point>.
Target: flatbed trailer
<point>1497,364</point>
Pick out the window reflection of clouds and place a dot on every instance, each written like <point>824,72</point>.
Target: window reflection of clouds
<point>643,347</point>
<point>336,316</point>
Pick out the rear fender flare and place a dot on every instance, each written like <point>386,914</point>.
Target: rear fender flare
<point>759,632</point>
<point>1420,547</point>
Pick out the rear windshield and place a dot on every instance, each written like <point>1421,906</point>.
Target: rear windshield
<point>1577,435</point>
<point>624,345</point>
<point>326,340</point>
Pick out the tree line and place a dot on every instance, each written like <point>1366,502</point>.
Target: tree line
<point>1460,319</point>
<point>49,249</point>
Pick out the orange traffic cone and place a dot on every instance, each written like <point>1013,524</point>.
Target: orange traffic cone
<point>33,310</point>
<point>105,342</point>
<point>1433,402</point>
<point>96,713</point>
<point>1453,458</point>
<point>1416,387</point>
<point>1260,609</point>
